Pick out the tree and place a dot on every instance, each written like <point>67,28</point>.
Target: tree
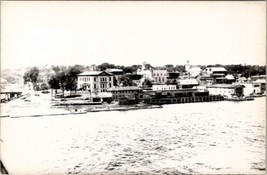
<point>31,76</point>
<point>105,66</point>
<point>147,83</point>
<point>126,81</point>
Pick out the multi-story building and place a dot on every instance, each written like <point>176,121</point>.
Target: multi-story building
<point>95,81</point>
<point>159,76</point>
<point>217,73</point>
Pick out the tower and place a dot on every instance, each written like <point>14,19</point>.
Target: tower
<point>187,66</point>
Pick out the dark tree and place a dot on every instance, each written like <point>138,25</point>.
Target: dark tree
<point>31,76</point>
<point>125,81</point>
<point>147,83</point>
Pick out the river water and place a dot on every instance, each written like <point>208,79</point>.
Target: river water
<point>195,138</point>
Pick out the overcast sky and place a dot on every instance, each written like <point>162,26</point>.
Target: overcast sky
<point>127,33</point>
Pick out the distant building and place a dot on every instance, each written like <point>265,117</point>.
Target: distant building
<point>95,81</point>
<point>258,77</point>
<point>130,92</point>
<point>145,72</point>
<point>194,71</point>
<point>217,73</point>
<point>251,88</point>
<point>187,66</point>
<point>159,76</point>
<point>187,83</point>
<point>228,90</point>
<point>204,79</point>
<point>262,83</point>
<point>115,71</point>
<point>230,79</point>
<point>161,87</point>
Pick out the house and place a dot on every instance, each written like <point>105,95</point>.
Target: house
<point>217,73</point>
<point>204,79</point>
<point>229,79</point>
<point>258,77</point>
<point>159,76</point>
<point>130,92</point>
<point>228,90</point>
<point>161,87</point>
<point>187,83</point>
<point>95,81</point>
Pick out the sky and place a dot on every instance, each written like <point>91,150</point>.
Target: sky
<point>125,33</point>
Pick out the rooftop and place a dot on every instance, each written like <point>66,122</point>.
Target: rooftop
<point>94,73</point>
<point>124,88</point>
<point>216,69</point>
<point>188,82</point>
<point>114,70</point>
<point>224,86</point>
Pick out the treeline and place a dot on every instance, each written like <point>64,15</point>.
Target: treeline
<point>65,77</point>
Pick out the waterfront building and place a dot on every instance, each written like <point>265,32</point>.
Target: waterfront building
<point>228,90</point>
<point>159,76</point>
<point>251,88</point>
<point>187,83</point>
<point>204,79</point>
<point>178,96</point>
<point>217,73</point>
<point>101,97</point>
<point>262,83</point>
<point>130,92</point>
<point>95,81</point>
<point>161,87</point>
<point>258,77</point>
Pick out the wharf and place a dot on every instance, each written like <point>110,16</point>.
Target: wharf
<point>175,100</point>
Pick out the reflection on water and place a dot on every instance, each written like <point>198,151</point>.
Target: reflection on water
<point>216,137</point>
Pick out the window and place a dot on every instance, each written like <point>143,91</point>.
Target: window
<point>109,84</point>
<point>95,86</point>
<point>110,79</point>
<point>94,79</point>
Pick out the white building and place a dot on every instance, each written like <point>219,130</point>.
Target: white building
<point>228,90</point>
<point>251,88</point>
<point>159,76</point>
<point>160,87</point>
<point>187,83</point>
<point>95,81</point>
<point>145,72</point>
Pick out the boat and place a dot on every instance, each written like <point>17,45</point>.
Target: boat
<point>235,98</point>
<point>258,95</point>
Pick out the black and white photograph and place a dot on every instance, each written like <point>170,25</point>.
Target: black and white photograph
<point>133,87</point>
